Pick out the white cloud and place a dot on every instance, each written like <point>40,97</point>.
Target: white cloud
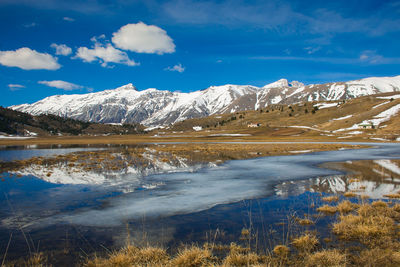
<point>30,25</point>
<point>178,68</point>
<point>28,59</point>
<point>61,85</point>
<point>61,49</point>
<point>371,57</point>
<point>104,53</point>
<point>142,38</point>
<point>15,87</point>
<point>68,19</point>
<point>311,50</point>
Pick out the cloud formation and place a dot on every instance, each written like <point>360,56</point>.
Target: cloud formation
<point>286,16</point>
<point>371,57</point>
<point>15,87</point>
<point>28,59</point>
<point>178,68</point>
<point>68,19</point>
<point>30,25</point>
<point>61,85</point>
<point>142,38</point>
<point>61,49</point>
<point>104,53</point>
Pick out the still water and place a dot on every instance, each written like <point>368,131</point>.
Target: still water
<point>87,199</point>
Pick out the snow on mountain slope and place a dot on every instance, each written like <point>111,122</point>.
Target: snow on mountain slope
<point>156,107</point>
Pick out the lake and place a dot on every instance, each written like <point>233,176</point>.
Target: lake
<point>73,201</point>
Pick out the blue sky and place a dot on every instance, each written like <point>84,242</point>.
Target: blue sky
<point>50,47</point>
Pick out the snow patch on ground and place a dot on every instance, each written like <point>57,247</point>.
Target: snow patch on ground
<point>381,104</point>
<point>343,118</point>
<point>378,119</point>
<point>15,137</point>
<point>325,105</point>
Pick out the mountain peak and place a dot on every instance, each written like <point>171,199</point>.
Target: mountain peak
<point>279,83</point>
<point>128,86</point>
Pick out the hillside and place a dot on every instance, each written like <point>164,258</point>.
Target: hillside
<point>22,124</point>
<point>370,117</point>
<point>154,107</point>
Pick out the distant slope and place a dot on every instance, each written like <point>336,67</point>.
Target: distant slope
<point>369,117</point>
<point>154,107</point>
<point>18,123</point>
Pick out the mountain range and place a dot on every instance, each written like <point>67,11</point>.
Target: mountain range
<point>154,107</point>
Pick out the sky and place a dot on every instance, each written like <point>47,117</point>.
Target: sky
<point>50,47</point>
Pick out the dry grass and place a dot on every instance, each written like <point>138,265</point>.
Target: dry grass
<point>350,194</point>
<point>372,225</point>
<point>345,207</point>
<point>281,251</point>
<point>378,257</point>
<point>305,243</point>
<point>132,256</point>
<point>326,258</point>
<point>193,256</point>
<point>242,257</point>
<point>304,221</point>
<point>368,234</point>
<point>331,199</point>
<point>326,209</point>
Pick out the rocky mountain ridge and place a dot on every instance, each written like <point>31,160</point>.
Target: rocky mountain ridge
<point>153,107</point>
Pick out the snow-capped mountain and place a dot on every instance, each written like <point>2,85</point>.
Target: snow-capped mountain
<point>156,107</point>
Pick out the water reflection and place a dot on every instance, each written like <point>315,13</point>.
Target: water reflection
<point>178,193</point>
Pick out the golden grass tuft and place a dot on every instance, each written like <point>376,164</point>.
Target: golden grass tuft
<point>372,225</point>
<point>305,221</point>
<point>378,257</point>
<point>326,258</point>
<point>305,243</point>
<point>330,199</point>
<point>36,260</point>
<point>350,194</point>
<point>379,203</point>
<point>241,257</point>
<point>281,251</point>
<point>345,207</point>
<point>132,256</point>
<point>326,209</point>
<point>193,256</point>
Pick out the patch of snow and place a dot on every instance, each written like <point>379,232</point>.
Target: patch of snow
<point>148,129</point>
<point>197,128</point>
<point>277,84</point>
<point>325,105</point>
<point>381,104</point>
<point>355,132</point>
<point>15,137</point>
<point>276,99</point>
<point>343,118</point>
<point>379,139</point>
<point>378,119</point>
